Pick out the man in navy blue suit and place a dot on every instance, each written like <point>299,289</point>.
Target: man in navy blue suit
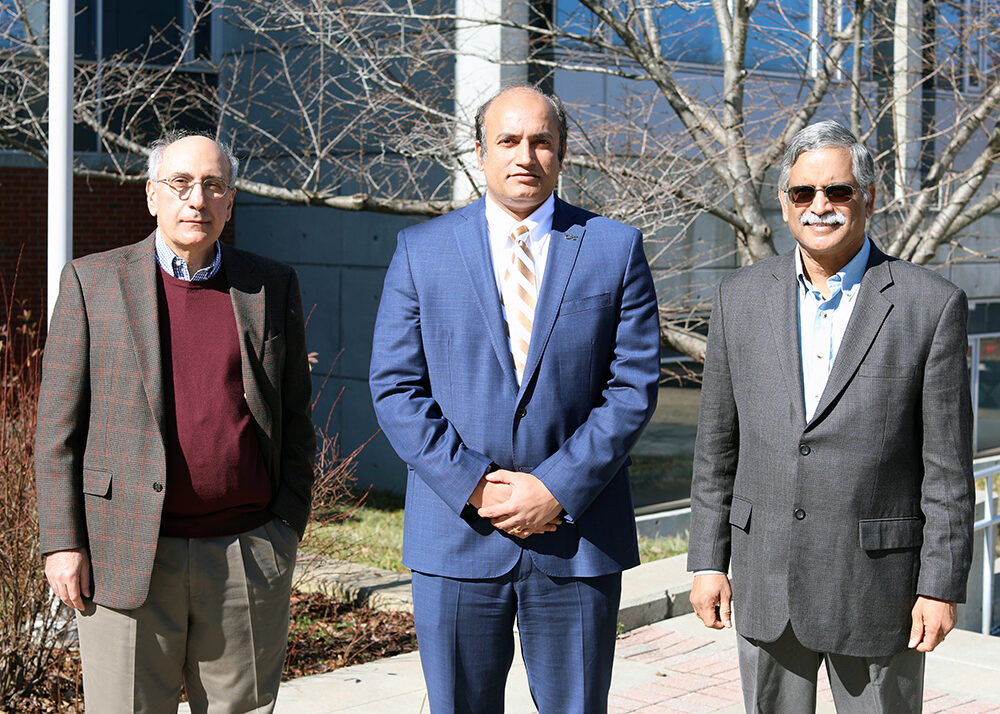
<point>514,364</point>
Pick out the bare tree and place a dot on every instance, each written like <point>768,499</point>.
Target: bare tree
<point>351,104</point>
<point>708,141</point>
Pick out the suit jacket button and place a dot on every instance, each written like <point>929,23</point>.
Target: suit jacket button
<point>799,514</point>
<point>804,449</point>
<point>157,486</point>
<point>521,413</point>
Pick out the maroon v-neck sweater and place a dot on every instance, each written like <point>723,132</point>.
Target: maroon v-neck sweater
<point>217,483</point>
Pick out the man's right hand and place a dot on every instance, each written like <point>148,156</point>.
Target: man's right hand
<point>68,573</point>
<point>712,598</point>
<point>488,493</point>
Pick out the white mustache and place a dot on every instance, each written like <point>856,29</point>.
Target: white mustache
<point>833,218</point>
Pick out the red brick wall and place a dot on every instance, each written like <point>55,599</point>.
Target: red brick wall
<point>106,215</point>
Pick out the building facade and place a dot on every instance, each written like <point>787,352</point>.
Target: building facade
<point>341,256</point>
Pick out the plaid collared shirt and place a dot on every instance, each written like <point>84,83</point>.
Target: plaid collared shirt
<point>178,267</point>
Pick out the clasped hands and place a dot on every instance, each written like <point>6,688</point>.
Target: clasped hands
<point>516,503</point>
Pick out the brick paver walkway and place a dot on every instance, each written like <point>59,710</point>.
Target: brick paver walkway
<point>698,674</point>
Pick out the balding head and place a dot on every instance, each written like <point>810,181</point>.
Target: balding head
<point>556,106</point>
<point>189,191</point>
<point>157,148</point>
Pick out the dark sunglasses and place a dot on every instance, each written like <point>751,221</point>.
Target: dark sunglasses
<point>836,193</point>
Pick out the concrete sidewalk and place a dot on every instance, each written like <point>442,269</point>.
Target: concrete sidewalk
<point>676,665</point>
<point>670,662</point>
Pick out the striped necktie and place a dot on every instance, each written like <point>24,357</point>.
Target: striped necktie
<point>519,296</point>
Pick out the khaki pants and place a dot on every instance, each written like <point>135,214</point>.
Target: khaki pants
<point>215,620</point>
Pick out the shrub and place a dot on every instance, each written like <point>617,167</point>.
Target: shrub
<point>334,498</point>
<point>32,620</point>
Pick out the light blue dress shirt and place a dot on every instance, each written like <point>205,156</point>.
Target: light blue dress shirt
<point>178,267</point>
<point>822,322</point>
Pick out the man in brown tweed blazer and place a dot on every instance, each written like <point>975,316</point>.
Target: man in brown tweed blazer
<point>174,457</point>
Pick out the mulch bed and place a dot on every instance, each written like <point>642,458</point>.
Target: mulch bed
<point>328,634</point>
<point>325,634</point>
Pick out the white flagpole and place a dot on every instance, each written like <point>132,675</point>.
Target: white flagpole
<point>60,229</point>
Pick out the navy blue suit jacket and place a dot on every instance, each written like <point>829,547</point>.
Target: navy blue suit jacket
<point>445,393</point>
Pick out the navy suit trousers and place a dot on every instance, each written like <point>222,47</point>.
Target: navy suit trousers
<point>567,628</point>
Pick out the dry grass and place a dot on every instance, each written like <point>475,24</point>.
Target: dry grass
<point>372,534</point>
<point>658,548</point>
<point>369,532</point>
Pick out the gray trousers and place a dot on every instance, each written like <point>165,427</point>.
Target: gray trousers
<point>780,678</point>
<point>215,621</point>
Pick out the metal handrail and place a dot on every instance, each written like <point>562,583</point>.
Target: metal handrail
<point>988,524</point>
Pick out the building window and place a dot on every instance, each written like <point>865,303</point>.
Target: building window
<point>105,28</point>
<point>13,20</point>
<point>785,36</point>
<point>984,364</point>
<point>11,26</point>
<point>965,36</point>
<point>147,38</point>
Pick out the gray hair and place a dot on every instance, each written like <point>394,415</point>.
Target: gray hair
<point>826,134</point>
<point>553,100</point>
<point>157,147</point>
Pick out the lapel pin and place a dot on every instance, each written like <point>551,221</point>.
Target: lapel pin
<point>570,236</point>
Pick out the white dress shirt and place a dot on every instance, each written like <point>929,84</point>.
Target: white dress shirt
<point>500,224</point>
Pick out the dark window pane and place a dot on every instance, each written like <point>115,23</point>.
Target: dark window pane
<point>85,32</point>
<point>203,31</point>
<point>988,402</point>
<point>984,318</point>
<point>130,26</point>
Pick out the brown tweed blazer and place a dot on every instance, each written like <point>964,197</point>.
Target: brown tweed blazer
<point>100,464</point>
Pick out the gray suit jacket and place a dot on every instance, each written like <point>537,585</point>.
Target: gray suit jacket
<point>836,525</point>
<point>100,463</point>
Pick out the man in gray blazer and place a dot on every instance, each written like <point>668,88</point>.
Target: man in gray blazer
<point>833,460</point>
<point>174,452</point>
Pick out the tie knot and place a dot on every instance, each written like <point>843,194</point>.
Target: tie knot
<point>519,234</point>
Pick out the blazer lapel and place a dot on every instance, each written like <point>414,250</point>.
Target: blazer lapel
<point>137,278</point>
<point>869,314</point>
<point>246,290</point>
<point>473,241</point>
<point>783,303</point>
<point>564,245</point>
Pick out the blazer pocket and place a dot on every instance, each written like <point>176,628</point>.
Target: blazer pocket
<point>272,353</point>
<point>97,483</point>
<point>739,513</point>
<point>587,303</point>
<point>274,344</point>
<point>891,533</point>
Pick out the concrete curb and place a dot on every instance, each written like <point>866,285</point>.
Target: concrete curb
<point>655,591</point>
<point>650,592</point>
<point>383,589</point>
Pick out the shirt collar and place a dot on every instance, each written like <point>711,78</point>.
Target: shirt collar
<point>176,266</point>
<point>501,223</point>
<point>847,278</point>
